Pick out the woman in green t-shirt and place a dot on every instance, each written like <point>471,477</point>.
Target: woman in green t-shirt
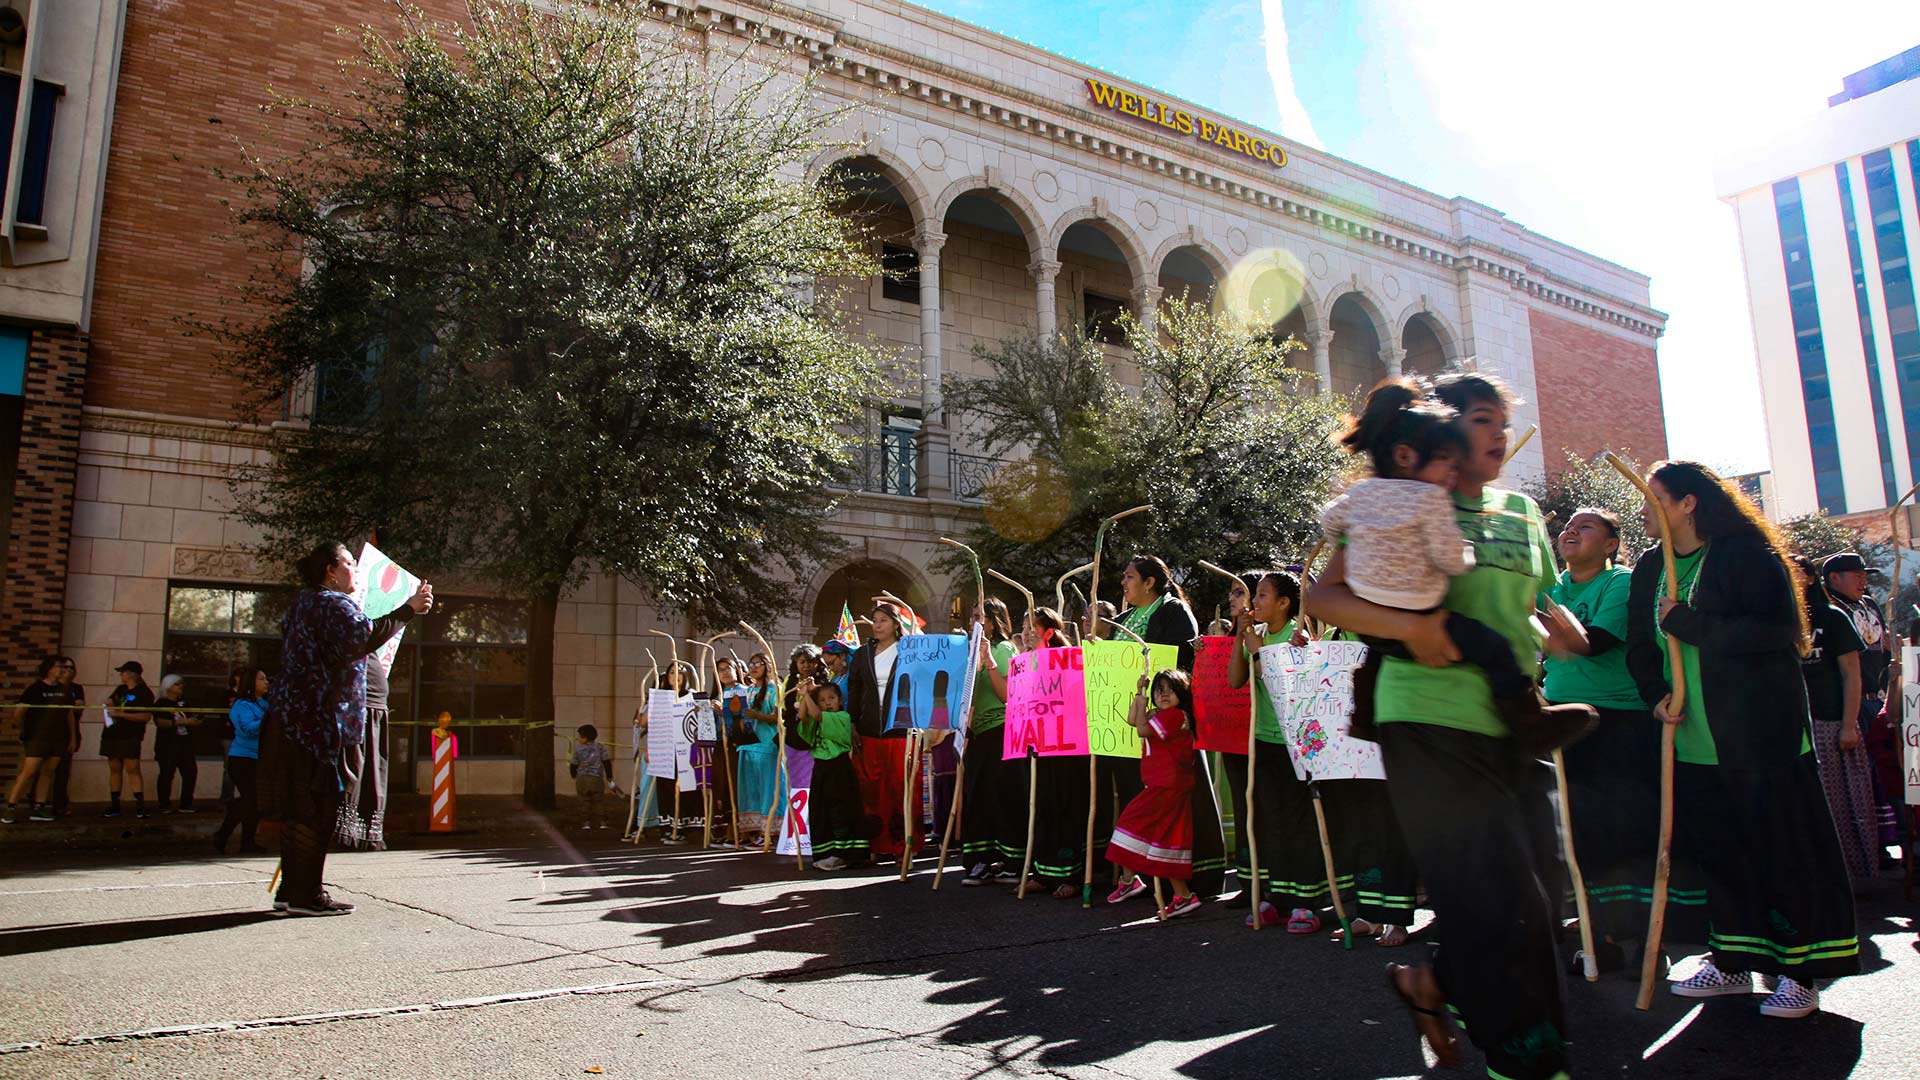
<point>1468,802</point>
<point>1293,876</point>
<point>1749,811</point>
<point>993,809</point>
<point>1613,775</point>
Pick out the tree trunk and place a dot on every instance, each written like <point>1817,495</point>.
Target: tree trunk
<point>537,787</point>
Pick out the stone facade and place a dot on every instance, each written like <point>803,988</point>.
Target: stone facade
<point>1022,203</point>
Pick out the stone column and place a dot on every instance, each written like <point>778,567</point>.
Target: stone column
<point>1044,271</point>
<point>1321,341</point>
<point>1394,359</point>
<point>1146,306</point>
<point>931,447</point>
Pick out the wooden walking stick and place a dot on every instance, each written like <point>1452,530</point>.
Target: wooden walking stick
<point>1253,712</point>
<point>720,725</point>
<point>1676,706</point>
<point>1333,881</point>
<point>780,735</point>
<point>1093,633</point>
<point>1060,585</point>
<point>1590,964</point>
<point>954,808</point>
<point>1033,804</point>
<point>1093,794</point>
<point>1893,532</point>
<point>909,768</point>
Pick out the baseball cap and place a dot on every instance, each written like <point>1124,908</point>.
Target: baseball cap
<point>133,666</point>
<point>1843,562</point>
<point>837,647</point>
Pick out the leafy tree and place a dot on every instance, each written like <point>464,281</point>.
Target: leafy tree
<point>557,317</point>
<point>1582,484</point>
<point>1817,536</point>
<point>1230,445</point>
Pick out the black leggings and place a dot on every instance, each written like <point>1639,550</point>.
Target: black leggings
<point>244,809</point>
<point>183,762</point>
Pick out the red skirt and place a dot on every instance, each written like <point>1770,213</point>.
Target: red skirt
<point>1154,835</point>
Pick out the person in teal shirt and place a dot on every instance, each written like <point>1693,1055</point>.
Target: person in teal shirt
<point>1749,811</point>
<point>1613,775</point>
<point>1468,802</point>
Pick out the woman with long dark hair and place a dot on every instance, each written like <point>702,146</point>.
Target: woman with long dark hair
<point>1466,798</point>
<point>247,713</point>
<point>1157,610</point>
<point>318,716</point>
<point>1748,807</point>
<point>1060,792</point>
<point>877,760</point>
<point>992,810</point>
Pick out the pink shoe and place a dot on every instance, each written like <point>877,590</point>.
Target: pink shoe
<point>1303,921</point>
<point>1127,890</point>
<point>1182,905</point>
<point>1269,915</point>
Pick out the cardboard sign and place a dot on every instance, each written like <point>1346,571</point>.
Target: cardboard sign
<point>672,721</point>
<point>1910,723</point>
<point>930,677</point>
<point>1046,704</point>
<point>797,822</point>
<point>1113,671</point>
<point>381,585</point>
<point>1222,712</point>
<point>1311,688</point>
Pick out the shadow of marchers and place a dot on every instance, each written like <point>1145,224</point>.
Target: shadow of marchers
<point>23,942</point>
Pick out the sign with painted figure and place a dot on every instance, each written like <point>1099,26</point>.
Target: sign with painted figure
<point>930,677</point>
<point>1910,722</point>
<point>796,823</point>
<point>1311,689</point>
<point>1046,704</point>
<point>1113,671</point>
<point>379,586</point>
<point>1221,711</point>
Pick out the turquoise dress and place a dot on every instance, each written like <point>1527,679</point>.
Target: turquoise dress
<point>757,775</point>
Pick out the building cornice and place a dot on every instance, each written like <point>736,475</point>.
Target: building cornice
<point>891,70</point>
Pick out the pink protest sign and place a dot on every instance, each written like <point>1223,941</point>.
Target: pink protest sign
<point>1046,704</point>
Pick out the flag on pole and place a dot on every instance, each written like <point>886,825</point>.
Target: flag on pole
<point>846,634</point>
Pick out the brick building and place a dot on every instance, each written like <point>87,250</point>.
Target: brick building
<point>1028,191</point>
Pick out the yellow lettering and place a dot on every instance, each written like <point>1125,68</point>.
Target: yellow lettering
<point>1160,115</point>
<point>1276,155</point>
<point>1224,137</point>
<point>1129,104</point>
<point>1240,142</point>
<point>1207,129</point>
<point>1103,94</point>
<point>1258,148</point>
<point>1183,122</point>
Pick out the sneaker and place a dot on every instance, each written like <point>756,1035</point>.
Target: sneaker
<point>189,808</point>
<point>141,812</point>
<point>1182,905</point>
<point>279,906</point>
<point>830,863</point>
<point>40,813</point>
<point>167,810</point>
<point>976,877</point>
<point>1791,1000</point>
<point>1127,889</point>
<point>1269,915</point>
<point>112,811</point>
<point>1710,981</point>
<point>319,905</point>
<point>1007,875</point>
<point>7,817</point>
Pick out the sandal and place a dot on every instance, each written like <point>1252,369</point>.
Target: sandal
<point>1431,1024</point>
<point>1303,921</point>
<point>1391,936</point>
<point>1065,892</point>
<point>1360,928</point>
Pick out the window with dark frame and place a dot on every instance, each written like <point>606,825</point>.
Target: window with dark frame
<point>899,274</point>
<point>1103,318</point>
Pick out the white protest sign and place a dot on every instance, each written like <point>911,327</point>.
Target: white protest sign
<point>1311,689</point>
<point>1910,723</point>
<point>669,739</point>
<point>796,817</point>
<point>381,585</point>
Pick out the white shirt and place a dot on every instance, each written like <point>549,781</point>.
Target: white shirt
<point>883,669</point>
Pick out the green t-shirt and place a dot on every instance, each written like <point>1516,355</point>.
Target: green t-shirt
<point>989,708</point>
<point>1693,740</point>
<point>830,736</point>
<point>1266,723</point>
<point>1600,603</point>
<point>1513,564</point>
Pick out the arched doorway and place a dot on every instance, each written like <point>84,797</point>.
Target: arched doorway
<point>1295,326</point>
<point>1426,354</point>
<point>1355,351</point>
<point>1100,279</point>
<point>1185,275</point>
<point>855,585</point>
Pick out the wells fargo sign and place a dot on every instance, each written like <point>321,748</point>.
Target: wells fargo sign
<point>1184,122</point>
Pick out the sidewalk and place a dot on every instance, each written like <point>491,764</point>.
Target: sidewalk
<point>490,818</point>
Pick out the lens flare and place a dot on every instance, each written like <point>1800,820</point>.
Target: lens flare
<point>1026,501</point>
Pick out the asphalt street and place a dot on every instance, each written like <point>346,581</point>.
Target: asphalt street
<point>559,956</point>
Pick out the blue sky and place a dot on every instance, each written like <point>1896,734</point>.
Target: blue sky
<point>1595,124</point>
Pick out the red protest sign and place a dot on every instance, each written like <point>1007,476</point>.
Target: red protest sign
<point>1221,711</point>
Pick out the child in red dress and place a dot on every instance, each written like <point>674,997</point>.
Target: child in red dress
<point>1154,835</point>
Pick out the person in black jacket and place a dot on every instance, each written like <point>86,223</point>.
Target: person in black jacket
<point>1156,609</point>
<point>1749,811</point>
<point>878,761</point>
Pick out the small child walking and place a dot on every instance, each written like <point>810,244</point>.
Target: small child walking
<point>591,763</point>
<point>1404,547</point>
<point>1154,835</point>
